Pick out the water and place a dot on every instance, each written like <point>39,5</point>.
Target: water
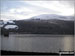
<point>37,43</point>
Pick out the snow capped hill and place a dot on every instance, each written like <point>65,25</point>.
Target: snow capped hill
<point>10,25</point>
<point>41,25</point>
<point>10,21</point>
<point>52,16</point>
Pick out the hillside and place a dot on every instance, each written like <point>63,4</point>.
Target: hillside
<point>45,26</point>
<point>42,24</point>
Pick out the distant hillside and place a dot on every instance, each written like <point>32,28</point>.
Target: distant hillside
<point>53,24</point>
<point>44,27</point>
<point>53,16</point>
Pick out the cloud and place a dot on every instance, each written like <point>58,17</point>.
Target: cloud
<point>69,3</point>
<point>14,16</point>
<point>20,10</point>
<point>27,9</point>
<point>55,6</point>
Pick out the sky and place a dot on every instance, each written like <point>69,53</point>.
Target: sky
<point>17,10</point>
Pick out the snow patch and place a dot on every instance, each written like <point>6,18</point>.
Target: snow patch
<point>5,22</point>
<point>11,27</point>
<point>53,16</point>
<point>11,22</point>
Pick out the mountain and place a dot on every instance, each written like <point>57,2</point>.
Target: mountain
<point>43,24</point>
<point>52,16</point>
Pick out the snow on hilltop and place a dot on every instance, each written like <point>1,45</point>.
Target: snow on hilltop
<point>10,21</point>
<point>53,16</point>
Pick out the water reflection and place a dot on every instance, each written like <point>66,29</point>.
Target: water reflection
<point>37,43</point>
<point>68,43</point>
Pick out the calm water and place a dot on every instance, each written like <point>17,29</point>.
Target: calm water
<point>37,43</point>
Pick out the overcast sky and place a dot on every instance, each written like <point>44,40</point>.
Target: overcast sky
<point>11,10</point>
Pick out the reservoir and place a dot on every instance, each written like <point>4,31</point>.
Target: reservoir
<point>37,43</point>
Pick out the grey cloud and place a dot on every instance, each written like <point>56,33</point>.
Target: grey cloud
<point>70,3</point>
